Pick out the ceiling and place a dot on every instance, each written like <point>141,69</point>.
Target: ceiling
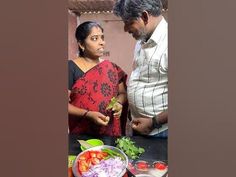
<point>96,6</point>
<point>90,6</point>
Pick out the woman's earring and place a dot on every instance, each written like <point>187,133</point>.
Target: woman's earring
<point>82,49</point>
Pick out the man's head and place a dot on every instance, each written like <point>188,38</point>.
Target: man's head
<point>138,16</point>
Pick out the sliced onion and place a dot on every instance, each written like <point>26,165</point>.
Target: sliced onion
<point>106,168</point>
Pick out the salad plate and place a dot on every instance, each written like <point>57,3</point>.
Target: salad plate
<point>100,161</point>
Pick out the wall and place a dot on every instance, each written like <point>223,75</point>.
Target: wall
<point>72,44</point>
<point>119,44</point>
<point>165,15</point>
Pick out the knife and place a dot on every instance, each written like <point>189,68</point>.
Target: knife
<point>85,144</point>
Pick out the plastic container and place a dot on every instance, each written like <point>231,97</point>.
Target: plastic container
<point>142,165</point>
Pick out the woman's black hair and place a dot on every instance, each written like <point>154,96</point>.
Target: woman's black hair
<point>82,32</point>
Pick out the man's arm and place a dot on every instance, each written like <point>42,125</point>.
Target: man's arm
<point>146,125</point>
<point>160,119</point>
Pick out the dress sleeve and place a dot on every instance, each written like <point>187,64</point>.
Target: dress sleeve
<point>74,73</point>
<point>122,76</point>
<point>70,75</point>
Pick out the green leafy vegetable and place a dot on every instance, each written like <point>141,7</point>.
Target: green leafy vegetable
<point>112,153</point>
<point>112,103</point>
<point>71,159</point>
<point>129,147</point>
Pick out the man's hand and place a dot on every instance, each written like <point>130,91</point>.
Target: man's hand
<point>162,118</point>
<point>145,125</point>
<point>142,125</point>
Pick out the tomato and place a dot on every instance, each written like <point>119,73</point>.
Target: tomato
<point>70,173</point>
<point>93,154</point>
<point>89,162</point>
<point>105,154</point>
<point>142,165</point>
<point>101,155</point>
<point>85,156</point>
<point>83,162</point>
<point>82,158</point>
<point>95,161</point>
<point>83,168</point>
<point>160,166</point>
<point>90,158</point>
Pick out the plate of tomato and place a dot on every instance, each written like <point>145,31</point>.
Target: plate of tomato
<point>104,161</point>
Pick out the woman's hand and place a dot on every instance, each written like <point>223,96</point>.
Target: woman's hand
<point>98,118</point>
<point>117,108</point>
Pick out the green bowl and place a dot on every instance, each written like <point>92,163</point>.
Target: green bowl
<point>93,142</point>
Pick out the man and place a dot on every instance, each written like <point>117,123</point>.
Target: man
<point>148,83</point>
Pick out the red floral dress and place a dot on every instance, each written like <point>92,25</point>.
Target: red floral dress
<point>93,91</point>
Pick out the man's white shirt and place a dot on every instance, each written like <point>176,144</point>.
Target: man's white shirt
<point>148,83</point>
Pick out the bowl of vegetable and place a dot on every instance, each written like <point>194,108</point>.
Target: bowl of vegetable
<point>100,161</point>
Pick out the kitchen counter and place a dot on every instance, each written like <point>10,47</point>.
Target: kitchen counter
<point>155,148</point>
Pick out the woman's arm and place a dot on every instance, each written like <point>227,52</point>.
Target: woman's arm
<point>122,94</point>
<point>76,111</point>
<point>73,110</point>
<point>121,99</point>
<point>96,117</point>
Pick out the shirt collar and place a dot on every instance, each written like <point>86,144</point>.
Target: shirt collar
<point>156,35</point>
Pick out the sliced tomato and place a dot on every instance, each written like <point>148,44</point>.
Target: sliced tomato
<point>142,166</point>
<point>93,154</point>
<point>89,162</point>
<point>90,158</point>
<point>85,156</point>
<point>95,161</point>
<point>70,173</point>
<point>83,163</point>
<point>101,155</point>
<point>82,158</point>
<point>160,166</point>
<point>105,154</point>
<point>83,168</point>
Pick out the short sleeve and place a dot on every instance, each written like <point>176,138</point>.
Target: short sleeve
<point>74,73</point>
<point>70,75</point>
<point>122,76</point>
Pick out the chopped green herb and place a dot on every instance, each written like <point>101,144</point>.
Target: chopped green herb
<point>129,147</point>
<point>112,103</point>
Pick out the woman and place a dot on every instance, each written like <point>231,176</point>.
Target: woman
<point>93,82</point>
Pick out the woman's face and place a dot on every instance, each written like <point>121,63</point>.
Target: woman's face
<point>94,43</point>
